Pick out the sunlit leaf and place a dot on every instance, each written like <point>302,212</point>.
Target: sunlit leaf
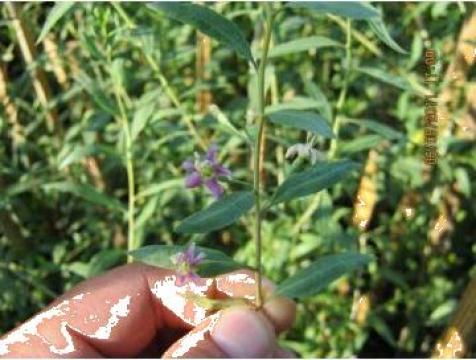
<point>59,10</point>
<point>384,76</point>
<point>351,9</point>
<point>320,274</point>
<point>302,44</point>
<point>379,28</point>
<point>303,120</point>
<point>221,213</point>
<point>360,143</point>
<point>381,129</point>
<point>140,119</point>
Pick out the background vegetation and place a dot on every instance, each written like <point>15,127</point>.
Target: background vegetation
<point>63,182</point>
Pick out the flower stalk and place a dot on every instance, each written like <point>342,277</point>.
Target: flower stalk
<point>261,120</point>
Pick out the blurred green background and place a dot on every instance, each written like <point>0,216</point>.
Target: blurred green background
<point>63,183</point>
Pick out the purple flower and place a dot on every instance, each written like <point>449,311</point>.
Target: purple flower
<point>205,170</point>
<point>187,262</point>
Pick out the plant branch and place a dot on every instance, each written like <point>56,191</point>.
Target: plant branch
<point>131,243</point>
<point>258,159</point>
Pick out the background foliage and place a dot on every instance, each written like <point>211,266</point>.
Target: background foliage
<point>63,172</point>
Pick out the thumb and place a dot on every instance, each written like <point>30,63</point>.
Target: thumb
<point>238,332</point>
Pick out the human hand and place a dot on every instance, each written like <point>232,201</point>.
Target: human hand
<point>138,310</point>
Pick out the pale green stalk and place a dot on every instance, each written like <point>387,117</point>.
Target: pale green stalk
<point>257,158</point>
<point>131,241</point>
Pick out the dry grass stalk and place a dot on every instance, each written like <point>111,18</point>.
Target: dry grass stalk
<point>51,50</point>
<point>10,110</point>
<point>27,47</point>
<point>367,193</point>
<point>461,334</point>
<point>455,76</point>
<point>204,50</point>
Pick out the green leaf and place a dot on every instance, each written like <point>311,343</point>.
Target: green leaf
<point>381,327</point>
<point>210,23</point>
<point>56,13</point>
<point>358,144</point>
<point>351,9</point>
<point>320,274</point>
<point>315,179</point>
<point>161,187</point>
<point>378,27</point>
<point>226,123</point>
<point>141,117</point>
<point>221,213</point>
<point>303,120</point>
<point>297,103</point>
<point>81,152</point>
<point>382,75</point>
<point>381,129</point>
<point>303,44</point>
<point>104,260</point>
<point>97,94</point>
<point>214,263</point>
<point>87,192</point>
<point>325,107</point>
<point>147,212</point>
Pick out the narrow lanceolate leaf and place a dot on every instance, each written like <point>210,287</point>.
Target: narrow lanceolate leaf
<point>360,143</point>
<point>141,117</point>
<point>303,120</point>
<point>56,13</point>
<point>210,23</point>
<point>381,129</point>
<point>303,44</point>
<point>87,192</point>
<point>221,213</point>
<point>317,178</point>
<point>381,75</point>
<point>352,9</point>
<point>214,263</point>
<point>320,274</point>
<point>378,27</point>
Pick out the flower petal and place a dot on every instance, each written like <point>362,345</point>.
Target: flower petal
<point>188,166</point>
<point>215,188</point>
<point>220,170</point>
<point>193,180</point>
<point>212,153</point>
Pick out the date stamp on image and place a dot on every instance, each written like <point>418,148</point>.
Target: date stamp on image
<point>430,119</point>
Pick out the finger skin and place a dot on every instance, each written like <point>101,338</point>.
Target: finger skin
<point>239,332</point>
<point>116,314</point>
<point>246,333</point>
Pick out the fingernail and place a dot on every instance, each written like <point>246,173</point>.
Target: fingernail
<point>244,333</point>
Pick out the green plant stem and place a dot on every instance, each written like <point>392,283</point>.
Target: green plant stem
<point>131,241</point>
<point>257,158</point>
<point>343,92</point>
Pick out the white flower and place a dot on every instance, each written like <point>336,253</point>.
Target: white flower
<point>305,151</point>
